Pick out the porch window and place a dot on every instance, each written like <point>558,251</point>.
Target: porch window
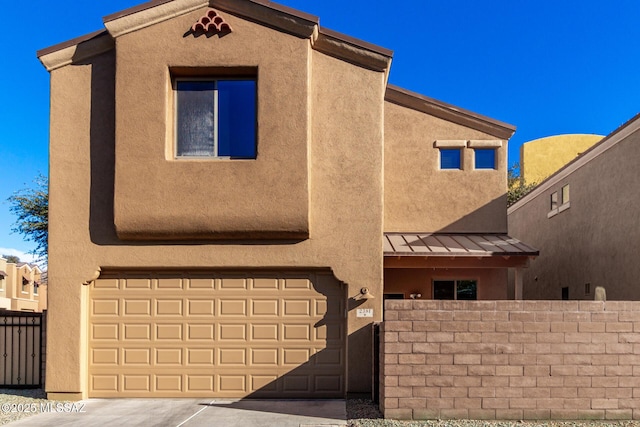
<point>455,289</point>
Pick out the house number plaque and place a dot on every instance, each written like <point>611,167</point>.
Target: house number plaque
<point>364,312</point>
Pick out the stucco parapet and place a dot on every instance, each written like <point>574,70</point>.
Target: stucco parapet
<point>76,50</point>
<point>448,112</point>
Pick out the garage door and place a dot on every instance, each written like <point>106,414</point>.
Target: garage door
<point>217,335</point>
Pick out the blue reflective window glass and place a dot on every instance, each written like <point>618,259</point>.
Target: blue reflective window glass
<point>485,159</point>
<point>237,118</point>
<point>450,158</point>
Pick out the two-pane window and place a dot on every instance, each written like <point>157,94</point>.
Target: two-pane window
<point>455,289</point>
<point>216,118</point>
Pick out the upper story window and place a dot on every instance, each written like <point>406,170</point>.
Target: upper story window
<point>565,194</point>
<point>215,118</point>
<point>450,158</point>
<point>484,158</point>
<point>554,200</point>
<point>25,285</point>
<point>559,201</point>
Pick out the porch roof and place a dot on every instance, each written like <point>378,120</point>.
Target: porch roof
<point>454,245</point>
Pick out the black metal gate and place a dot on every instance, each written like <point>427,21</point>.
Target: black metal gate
<point>21,349</point>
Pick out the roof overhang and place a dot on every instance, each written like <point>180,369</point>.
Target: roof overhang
<point>270,14</point>
<point>444,250</point>
<point>442,110</point>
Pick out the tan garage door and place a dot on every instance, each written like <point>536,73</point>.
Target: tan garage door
<point>217,335</point>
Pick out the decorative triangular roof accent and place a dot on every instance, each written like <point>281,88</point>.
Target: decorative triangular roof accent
<point>210,24</point>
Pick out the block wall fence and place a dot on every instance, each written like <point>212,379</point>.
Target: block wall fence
<point>518,360</point>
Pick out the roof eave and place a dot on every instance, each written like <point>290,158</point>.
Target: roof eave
<point>352,50</point>
<point>75,50</point>
<point>425,104</point>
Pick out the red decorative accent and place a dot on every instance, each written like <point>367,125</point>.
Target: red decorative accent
<point>211,23</point>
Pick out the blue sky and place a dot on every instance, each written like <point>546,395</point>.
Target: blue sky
<point>546,66</point>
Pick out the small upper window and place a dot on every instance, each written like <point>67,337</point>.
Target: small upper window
<point>565,194</point>
<point>450,158</point>
<point>485,158</point>
<point>554,200</point>
<point>216,118</point>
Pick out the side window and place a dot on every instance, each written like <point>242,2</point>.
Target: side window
<point>484,158</point>
<point>554,200</point>
<point>215,118</point>
<point>565,194</point>
<point>450,158</point>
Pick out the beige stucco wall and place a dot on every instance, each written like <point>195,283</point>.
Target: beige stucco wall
<point>492,282</point>
<point>327,143</point>
<point>596,239</point>
<point>540,158</point>
<point>160,197</point>
<point>420,197</point>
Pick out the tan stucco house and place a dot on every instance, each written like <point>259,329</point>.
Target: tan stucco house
<point>22,287</point>
<point>234,191</point>
<point>584,220</point>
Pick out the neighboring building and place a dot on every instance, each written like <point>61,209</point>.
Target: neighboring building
<point>584,220</point>
<point>229,187</point>
<point>542,157</point>
<point>21,287</point>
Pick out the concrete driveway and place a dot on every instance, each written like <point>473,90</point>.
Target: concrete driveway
<point>193,413</point>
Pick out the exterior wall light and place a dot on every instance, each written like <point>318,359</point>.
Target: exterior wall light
<point>364,294</point>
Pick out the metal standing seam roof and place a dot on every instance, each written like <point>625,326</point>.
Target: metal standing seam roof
<point>455,245</point>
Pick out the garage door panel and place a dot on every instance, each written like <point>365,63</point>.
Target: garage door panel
<point>268,283</point>
<point>136,331</point>
<point>168,307</point>
<point>232,332</point>
<point>168,383</point>
<point>226,336</point>
<point>264,332</point>
<point>169,283</point>
<point>107,332</point>
<point>105,307</point>
<point>137,283</point>
<point>232,307</point>
<point>168,356</point>
<point>168,332</point>
<point>201,307</point>
<point>135,307</point>
<point>196,332</point>
<point>201,283</point>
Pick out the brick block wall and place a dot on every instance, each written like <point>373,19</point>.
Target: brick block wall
<point>510,360</point>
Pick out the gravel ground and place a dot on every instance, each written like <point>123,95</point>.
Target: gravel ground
<point>364,413</point>
<point>360,413</point>
<point>19,397</point>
